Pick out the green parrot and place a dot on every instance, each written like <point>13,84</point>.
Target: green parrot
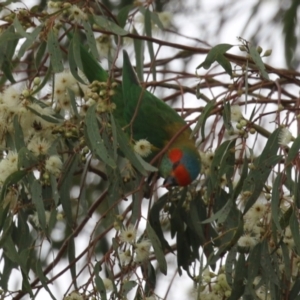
<point>145,117</point>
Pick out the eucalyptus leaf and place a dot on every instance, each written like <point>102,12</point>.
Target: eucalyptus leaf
<point>203,118</point>
<point>90,39</point>
<point>148,30</point>
<point>55,52</point>
<point>109,25</point>
<point>258,61</point>
<point>99,282</point>
<point>216,54</point>
<point>94,138</point>
<point>159,253</point>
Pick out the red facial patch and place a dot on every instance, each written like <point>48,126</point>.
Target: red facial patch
<point>175,155</point>
<point>182,175</point>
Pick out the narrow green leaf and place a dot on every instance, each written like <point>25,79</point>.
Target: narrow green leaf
<point>295,291</point>
<point>262,167</point>
<point>73,101</point>
<point>271,147</point>
<point>225,63</point>
<point>149,277</point>
<point>223,163</point>
<point>71,258</point>
<point>128,151</point>
<point>94,138</point>
<point>221,215</point>
<point>146,165</point>
<point>229,265</point>
<point>258,61</point>
<point>286,259</point>
<point>296,190</point>
<point>194,218</point>
<point>76,49</point>
<point>243,175</point>
<point>294,225</point>
<point>159,253</point>
<point>39,54</point>
<point>155,19</point>
<point>54,187</point>
<point>7,70</point>
<point>43,278</point>
<point>203,118</point>
<point>114,136</point>
<point>267,267</point>
<point>227,116</point>
<point>19,28</point>
<point>289,21</point>
<point>216,54</point>
<point>6,228</point>
<point>26,285</point>
<point>10,251</point>
<point>294,150</point>
<point>29,41</point>
<point>123,14</point>
<point>8,36</point>
<point>99,282</point>
<point>55,52</point>
<point>139,56</point>
<point>8,266</point>
<point>247,89</point>
<point>11,179</point>
<point>7,51</point>
<point>275,203</point>
<point>38,201</point>
<point>66,185</point>
<point>73,61</point>
<point>253,264</point>
<point>109,25</point>
<point>256,179</point>
<point>128,286</point>
<point>148,30</point>
<point>154,220</point>
<point>90,37</point>
<point>238,286</point>
<point>136,205</point>
<point>49,118</point>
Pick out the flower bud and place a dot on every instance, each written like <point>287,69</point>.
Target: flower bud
<point>259,49</point>
<point>268,52</point>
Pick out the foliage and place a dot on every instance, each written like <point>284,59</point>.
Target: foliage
<point>77,199</point>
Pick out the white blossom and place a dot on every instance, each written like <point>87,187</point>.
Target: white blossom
<point>108,284</point>
<point>235,113</point>
<point>142,250</point>
<point>8,165</point>
<point>74,296</point>
<point>128,234</point>
<point>125,257</point>
<point>53,164</point>
<point>247,241</point>
<point>38,146</point>
<point>285,136</point>
<point>142,147</point>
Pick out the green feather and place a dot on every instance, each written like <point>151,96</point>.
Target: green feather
<point>144,116</point>
<point>155,120</point>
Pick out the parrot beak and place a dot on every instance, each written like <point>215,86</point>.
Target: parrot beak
<point>170,181</point>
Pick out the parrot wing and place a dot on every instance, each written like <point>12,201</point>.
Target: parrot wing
<point>150,117</point>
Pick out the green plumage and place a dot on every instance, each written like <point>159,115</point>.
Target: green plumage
<point>144,116</point>
<point>155,121</point>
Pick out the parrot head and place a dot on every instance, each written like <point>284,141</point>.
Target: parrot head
<point>180,166</point>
